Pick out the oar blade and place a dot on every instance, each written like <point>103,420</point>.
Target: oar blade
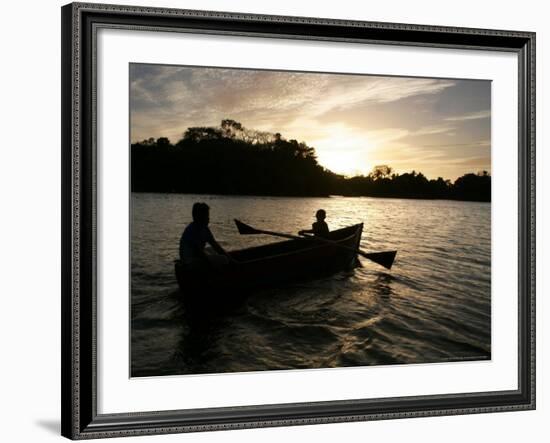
<point>382,258</point>
<point>244,229</point>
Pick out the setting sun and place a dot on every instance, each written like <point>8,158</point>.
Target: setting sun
<point>344,151</point>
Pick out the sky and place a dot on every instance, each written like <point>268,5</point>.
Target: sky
<point>440,127</point>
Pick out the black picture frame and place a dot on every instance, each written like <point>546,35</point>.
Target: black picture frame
<point>79,390</point>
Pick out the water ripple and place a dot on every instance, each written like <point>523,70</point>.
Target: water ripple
<point>433,306</point>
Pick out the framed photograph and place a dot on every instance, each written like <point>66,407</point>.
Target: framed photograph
<point>273,221</point>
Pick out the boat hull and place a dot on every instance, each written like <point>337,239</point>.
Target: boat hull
<point>272,265</point>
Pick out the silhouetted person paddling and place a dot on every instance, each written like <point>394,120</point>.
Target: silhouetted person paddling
<point>318,228</point>
<point>195,237</point>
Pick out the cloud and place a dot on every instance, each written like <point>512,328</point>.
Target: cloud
<point>193,94</point>
<point>353,121</point>
<point>470,116</point>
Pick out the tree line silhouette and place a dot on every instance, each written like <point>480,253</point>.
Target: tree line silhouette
<point>231,159</point>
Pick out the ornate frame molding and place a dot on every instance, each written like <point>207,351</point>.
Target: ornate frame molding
<point>79,392</point>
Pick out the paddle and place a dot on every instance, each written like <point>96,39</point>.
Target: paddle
<point>382,258</point>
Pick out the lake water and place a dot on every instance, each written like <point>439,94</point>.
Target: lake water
<point>433,306</point>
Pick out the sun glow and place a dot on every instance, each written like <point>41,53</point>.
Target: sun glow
<point>344,152</point>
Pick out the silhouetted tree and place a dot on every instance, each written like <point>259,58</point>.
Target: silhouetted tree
<point>475,187</point>
<point>381,171</point>
<point>163,142</point>
<point>202,133</point>
<point>232,159</point>
<point>231,128</point>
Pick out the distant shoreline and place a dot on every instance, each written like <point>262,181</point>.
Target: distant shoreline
<point>232,160</point>
<point>214,194</point>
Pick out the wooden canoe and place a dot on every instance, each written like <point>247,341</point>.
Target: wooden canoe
<point>272,265</point>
